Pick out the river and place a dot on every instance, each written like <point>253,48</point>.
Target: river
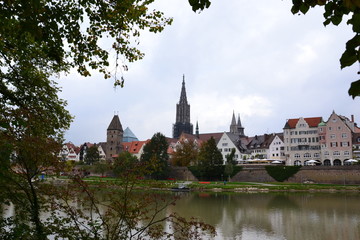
<point>291,216</point>
<point>270,216</point>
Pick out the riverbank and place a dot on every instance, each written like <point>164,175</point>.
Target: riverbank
<point>219,186</point>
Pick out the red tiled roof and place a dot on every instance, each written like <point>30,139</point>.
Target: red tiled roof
<point>312,122</point>
<point>206,136</point>
<point>134,147</point>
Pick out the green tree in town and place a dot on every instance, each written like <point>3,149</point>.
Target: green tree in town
<point>230,158</point>
<point>92,155</point>
<point>185,153</point>
<point>125,164</point>
<point>102,167</point>
<point>230,162</point>
<point>155,152</point>
<point>209,154</point>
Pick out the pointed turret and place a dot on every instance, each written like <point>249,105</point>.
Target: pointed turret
<point>240,128</point>
<point>115,124</point>
<point>114,138</point>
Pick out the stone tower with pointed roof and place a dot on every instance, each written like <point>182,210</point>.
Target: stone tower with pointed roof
<point>236,127</point>
<point>182,123</point>
<point>240,127</point>
<point>114,138</point>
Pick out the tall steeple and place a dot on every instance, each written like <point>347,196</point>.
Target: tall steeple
<point>197,129</point>
<point>183,98</point>
<point>182,123</point>
<point>240,127</point>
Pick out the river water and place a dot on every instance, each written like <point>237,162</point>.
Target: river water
<point>292,216</point>
<point>273,216</point>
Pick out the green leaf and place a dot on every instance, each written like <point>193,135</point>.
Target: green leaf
<point>355,21</point>
<point>304,8</point>
<point>336,20</point>
<point>348,58</point>
<point>354,90</point>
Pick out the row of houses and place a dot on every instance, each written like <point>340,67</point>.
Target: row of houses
<point>327,142</point>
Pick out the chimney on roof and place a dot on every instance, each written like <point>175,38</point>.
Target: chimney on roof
<point>352,118</point>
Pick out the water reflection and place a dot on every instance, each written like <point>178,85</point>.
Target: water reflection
<point>276,216</point>
<point>246,216</point>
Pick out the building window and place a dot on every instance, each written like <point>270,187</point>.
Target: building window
<point>320,129</point>
<point>332,136</point>
<point>339,127</point>
<point>307,155</point>
<point>326,153</point>
<point>224,144</point>
<point>330,128</point>
<point>344,135</point>
<point>345,144</point>
<point>346,153</point>
<point>333,144</point>
<point>297,155</point>
<point>336,153</point>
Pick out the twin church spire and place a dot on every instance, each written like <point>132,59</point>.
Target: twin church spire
<point>236,127</point>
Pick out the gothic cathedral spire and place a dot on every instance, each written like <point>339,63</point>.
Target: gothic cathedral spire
<point>182,123</point>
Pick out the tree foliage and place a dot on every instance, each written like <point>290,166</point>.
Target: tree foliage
<point>334,13</point>
<point>125,164</point>
<point>282,173</point>
<point>155,152</point>
<point>55,36</point>
<point>185,154</point>
<point>92,155</point>
<point>30,138</point>
<point>209,154</point>
<point>39,40</point>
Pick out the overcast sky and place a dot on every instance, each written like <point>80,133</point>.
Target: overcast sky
<point>252,57</point>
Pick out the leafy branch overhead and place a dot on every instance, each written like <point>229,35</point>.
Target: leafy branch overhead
<point>199,4</point>
<point>334,12</point>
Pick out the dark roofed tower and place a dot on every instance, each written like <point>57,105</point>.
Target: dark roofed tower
<point>240,127</point>
<point>233,125</point>
<point>236,127</point>
<point>182,124</point>
<point>114,138</point>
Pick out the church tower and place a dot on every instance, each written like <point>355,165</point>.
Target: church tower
<point>236,127</point>
<point>240,127</point>
<point>114,138</point>
<point>182,123</point>
<point>233,125</point>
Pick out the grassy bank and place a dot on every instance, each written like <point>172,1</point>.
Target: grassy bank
<point>228,186</point>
